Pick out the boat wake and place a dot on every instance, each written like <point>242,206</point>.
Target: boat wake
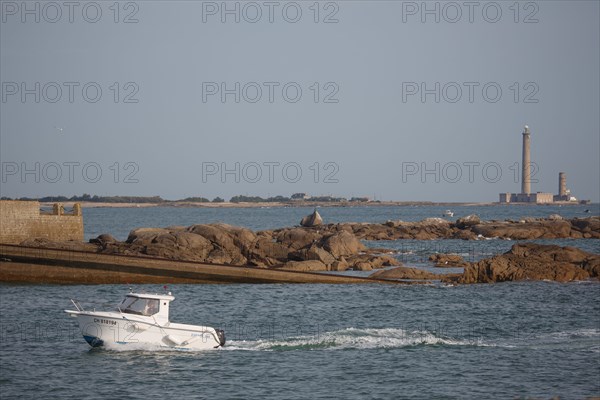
<point>385,338</point>
<point>352,338</point>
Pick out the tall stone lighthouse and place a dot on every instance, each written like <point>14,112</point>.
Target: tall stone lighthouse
<point>526,196</point>
<point>526,163</point>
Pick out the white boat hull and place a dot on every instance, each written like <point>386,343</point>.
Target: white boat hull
<point>109,328</point>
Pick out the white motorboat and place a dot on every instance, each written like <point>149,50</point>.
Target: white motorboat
<point>144,319</point>
<point>448,213</point>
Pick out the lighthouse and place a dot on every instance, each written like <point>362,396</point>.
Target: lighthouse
<point>526,195</point>
<point>526,166</point>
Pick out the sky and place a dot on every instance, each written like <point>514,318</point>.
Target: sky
<point>392,100</point>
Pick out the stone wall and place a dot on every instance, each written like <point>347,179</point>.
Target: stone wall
<point>543,197</point>
<point>538,198</point>
<point>21,220</point>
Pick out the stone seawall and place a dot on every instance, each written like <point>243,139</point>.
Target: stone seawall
<point>21,220</point>
<point>40,265</point>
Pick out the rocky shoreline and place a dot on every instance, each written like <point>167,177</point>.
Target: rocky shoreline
<point>295,249</point>
<point>473,228</point>
<point>338,247</point>
<point>531,261</point>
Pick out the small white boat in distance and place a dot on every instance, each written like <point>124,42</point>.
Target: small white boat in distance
<point>448,213</point>
<point>144,319</point>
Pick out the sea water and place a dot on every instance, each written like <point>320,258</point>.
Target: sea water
<point>505,340</point>
<point>534,340</point>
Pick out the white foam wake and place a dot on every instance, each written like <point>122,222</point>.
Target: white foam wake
<point>574,334</point>
<point>352,338</point>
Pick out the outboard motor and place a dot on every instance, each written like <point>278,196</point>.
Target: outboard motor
<point>221,336</point>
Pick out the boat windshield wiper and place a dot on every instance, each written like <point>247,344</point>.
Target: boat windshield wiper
<point>77,305</point>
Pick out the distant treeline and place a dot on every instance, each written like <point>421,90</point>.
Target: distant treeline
<point>157,199</point>
<point>97,199</point>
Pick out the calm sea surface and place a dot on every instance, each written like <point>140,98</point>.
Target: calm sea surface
<point>527,340</point>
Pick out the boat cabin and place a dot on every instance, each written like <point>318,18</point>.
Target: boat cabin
<point>148,305</point>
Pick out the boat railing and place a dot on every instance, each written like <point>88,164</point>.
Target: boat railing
<point>77,305</point>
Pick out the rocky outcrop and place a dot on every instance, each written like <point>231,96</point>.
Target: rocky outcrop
<point>343,244</point>
<point>104,239</point>
<point>304,266</point>
<point>298,249</point>
<point>405,273</point>
<point>546,229</point>
<point>472,228</point>
<point>368,262</point>
<point>311,220</point>
<point>448,261</point>
<point>181,245</point>
<point>468,221</point>
<point>297,238</point>
<point>216,243</point>
<point>427,229</point>
<point>468,228</point>
<point>587,227</point>
<point>530,261</point>
<point>313,253</point>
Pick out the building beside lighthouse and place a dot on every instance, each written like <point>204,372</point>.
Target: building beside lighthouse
<point>564,194</point>
<point>526,196</point>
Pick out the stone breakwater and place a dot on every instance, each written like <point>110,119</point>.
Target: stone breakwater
<point>60,266</point>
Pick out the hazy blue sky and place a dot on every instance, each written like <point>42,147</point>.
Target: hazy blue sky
<point>367,129</point>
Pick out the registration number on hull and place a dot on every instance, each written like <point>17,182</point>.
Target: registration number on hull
<point>105,321</point>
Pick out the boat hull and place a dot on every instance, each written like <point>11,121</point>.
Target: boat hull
<point>106,330</point>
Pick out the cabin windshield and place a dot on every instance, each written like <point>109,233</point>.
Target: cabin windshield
<point>136,305</point>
